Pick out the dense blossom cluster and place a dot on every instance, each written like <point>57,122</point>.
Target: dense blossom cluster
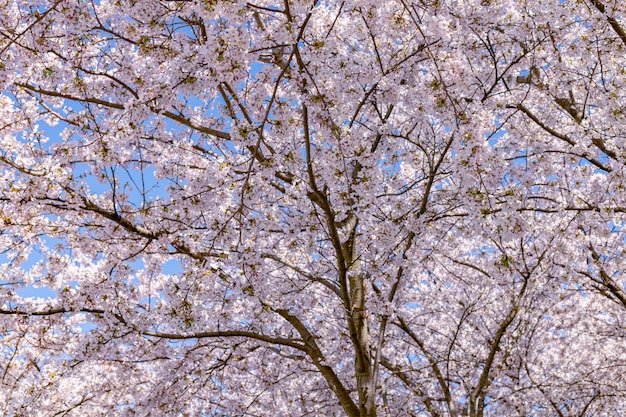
<point>312,207</point>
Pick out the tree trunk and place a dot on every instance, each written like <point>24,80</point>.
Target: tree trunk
<point>359,333</point>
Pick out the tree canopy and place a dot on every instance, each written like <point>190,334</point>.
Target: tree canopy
<point>312,208</point>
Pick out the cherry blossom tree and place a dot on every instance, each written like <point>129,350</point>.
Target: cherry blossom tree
<point>312,208</point>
